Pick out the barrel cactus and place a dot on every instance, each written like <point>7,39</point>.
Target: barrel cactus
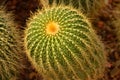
<point>62,45</point>
<point>89,7</point>
<point>9,48</point>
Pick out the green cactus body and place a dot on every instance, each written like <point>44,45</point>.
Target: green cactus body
<point>63,46</point>
<point>9,57</point>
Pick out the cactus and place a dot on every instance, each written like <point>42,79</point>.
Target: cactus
<point>9,48</point>
<point>89,7</point>
<point>62,45</point>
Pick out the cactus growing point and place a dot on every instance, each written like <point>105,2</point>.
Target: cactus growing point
<point>63,46</point>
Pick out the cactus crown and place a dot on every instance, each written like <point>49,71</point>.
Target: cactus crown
<point>9,48</point>
<point>62,44</point>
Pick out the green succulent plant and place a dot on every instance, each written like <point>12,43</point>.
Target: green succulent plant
<point>9,48</point>
<point>62,45</point>
<point>89,7</point>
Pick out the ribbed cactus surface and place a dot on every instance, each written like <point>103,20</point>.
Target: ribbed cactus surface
<point>63,45</point>
<point>9,57</point>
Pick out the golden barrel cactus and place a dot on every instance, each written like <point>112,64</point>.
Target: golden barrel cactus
<point>63,46</point>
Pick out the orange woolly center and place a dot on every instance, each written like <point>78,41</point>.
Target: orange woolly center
<point>52,28</point>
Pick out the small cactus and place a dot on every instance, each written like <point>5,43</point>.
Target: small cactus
<point>9,48</point>
<point>89,7</point>
<point>63,46</point>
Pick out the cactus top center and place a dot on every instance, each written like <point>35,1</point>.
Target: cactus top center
<point>52,28</point>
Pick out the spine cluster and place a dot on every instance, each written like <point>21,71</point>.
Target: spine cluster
<point>63,45</point>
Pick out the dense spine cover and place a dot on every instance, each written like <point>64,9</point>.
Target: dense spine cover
<point>63,45</point>
<point>9,48</point>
